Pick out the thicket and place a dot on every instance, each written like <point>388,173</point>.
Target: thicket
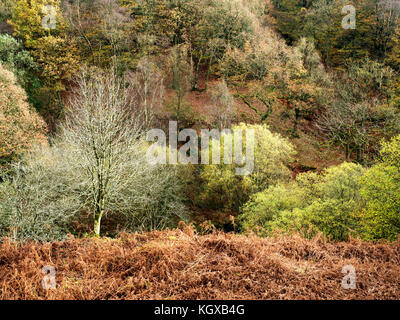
<point>95,166</point>
<point>343,201</point>
<point>20,125</point>
<point>342,83</point>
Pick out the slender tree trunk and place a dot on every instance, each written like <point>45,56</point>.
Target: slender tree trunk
<point>209,71</point>
<point>359,154</point>
<point>296,121</point>
<point>347,151</point>
<point>97,223</point>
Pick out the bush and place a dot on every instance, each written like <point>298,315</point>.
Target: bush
<point>225,190</point>
<point>40,200</point>
<point>380,190</point>
<point>20,126</point>
<point>265,206</point>
<point>21,63</point>
<point>16,59</point>
<point>326,203</point>
<point>96,166</point>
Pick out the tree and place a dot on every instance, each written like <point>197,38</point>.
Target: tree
<point>224,190</point>
<point>222,106</point>
<point>387,25</point>
<point>146,89</point>
<point>360,108</point>
<point>180,72</point>
<point>19,61</point>
<point>267,73</point>
<point>380,185</point>
<point>327,202</point>
<point>27,18</point>
<point>96,165</point>
<point>375,35</point>
<point>53,49</point>
<point>101,30</point>
<point>20,126</point>
<point>105,135</point>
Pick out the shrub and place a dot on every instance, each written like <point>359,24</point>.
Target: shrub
<point>324,202</point>
<point>223,189</point>
<point>19,61</point>
<point>390,152</point>
<point>20,126</point>
<point>265,206</point>
<point>41,198</point>
<point>96,166</point>
<point>380,190</point>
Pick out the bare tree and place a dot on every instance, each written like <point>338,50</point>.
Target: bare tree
<point>181,73</point>
<point>387,23</point>
<point>107,151</point>
<point>92,20</point>
<point>348,124</point>
<point>101,133</point>
<point>146,90</point>
<point>355,113</point>
<point>222,109</point>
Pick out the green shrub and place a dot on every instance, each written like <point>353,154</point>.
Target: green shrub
<point>20,62</point>
<point>390,152</point>
<point>265,206</point>
<point>224,189</point>
<point>380,191</point>
<point>324,202</point>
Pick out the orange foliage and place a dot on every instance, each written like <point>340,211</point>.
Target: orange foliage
<point>20,125</point>
<point>181,264</point>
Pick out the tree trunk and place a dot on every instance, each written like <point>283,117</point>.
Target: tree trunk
<point>296,121</point>
<point>97,223</point>
<point>347,151</point>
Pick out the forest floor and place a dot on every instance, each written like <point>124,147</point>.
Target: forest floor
<point>181,264</point>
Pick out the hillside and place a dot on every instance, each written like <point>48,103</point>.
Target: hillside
<point>183,265</point>
<point>199,149</point>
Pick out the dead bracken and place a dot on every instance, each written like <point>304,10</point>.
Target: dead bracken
<point>184,265</point>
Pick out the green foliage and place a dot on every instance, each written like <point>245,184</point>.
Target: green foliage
<point>375,36</point>
<point>381,193</point>
<point>265,206</point>
<point>390,152</point>
<point>21,63</point>
<point>224,189</point>
<point>314,203</point>
<point>380,190</point>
